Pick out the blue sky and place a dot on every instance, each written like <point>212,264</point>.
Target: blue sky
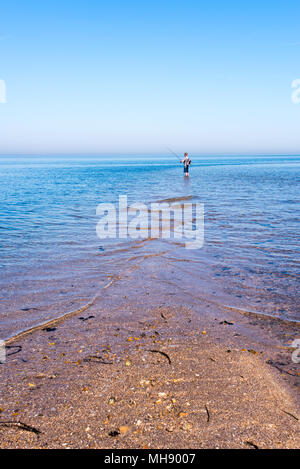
<point>99,77</point>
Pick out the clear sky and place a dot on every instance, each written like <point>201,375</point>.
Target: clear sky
<point>93,77</point>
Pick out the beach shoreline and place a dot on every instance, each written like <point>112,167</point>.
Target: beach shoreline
<point>139,369</point>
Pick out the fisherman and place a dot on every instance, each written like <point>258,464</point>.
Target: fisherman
<point>186,161</point>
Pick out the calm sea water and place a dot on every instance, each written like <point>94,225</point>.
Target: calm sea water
<point>52,261</point>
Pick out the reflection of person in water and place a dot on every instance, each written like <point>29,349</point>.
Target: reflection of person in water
<point>186,161</point>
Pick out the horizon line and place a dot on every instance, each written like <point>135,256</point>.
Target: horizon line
<point>150,154</point>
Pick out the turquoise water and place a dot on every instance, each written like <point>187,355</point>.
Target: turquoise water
<point>52,260</point>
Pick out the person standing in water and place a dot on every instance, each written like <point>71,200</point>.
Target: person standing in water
<point>186,161</point>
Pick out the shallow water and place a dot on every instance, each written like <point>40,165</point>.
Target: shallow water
<point>52,261</point>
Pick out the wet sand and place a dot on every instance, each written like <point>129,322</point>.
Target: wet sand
<point>146,367</point>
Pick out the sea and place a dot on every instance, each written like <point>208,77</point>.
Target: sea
<point>53,261</point>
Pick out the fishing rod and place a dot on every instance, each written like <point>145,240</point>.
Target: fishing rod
<point>175,154</point>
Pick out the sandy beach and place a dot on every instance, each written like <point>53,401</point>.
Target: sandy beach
<point>142,368</point>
